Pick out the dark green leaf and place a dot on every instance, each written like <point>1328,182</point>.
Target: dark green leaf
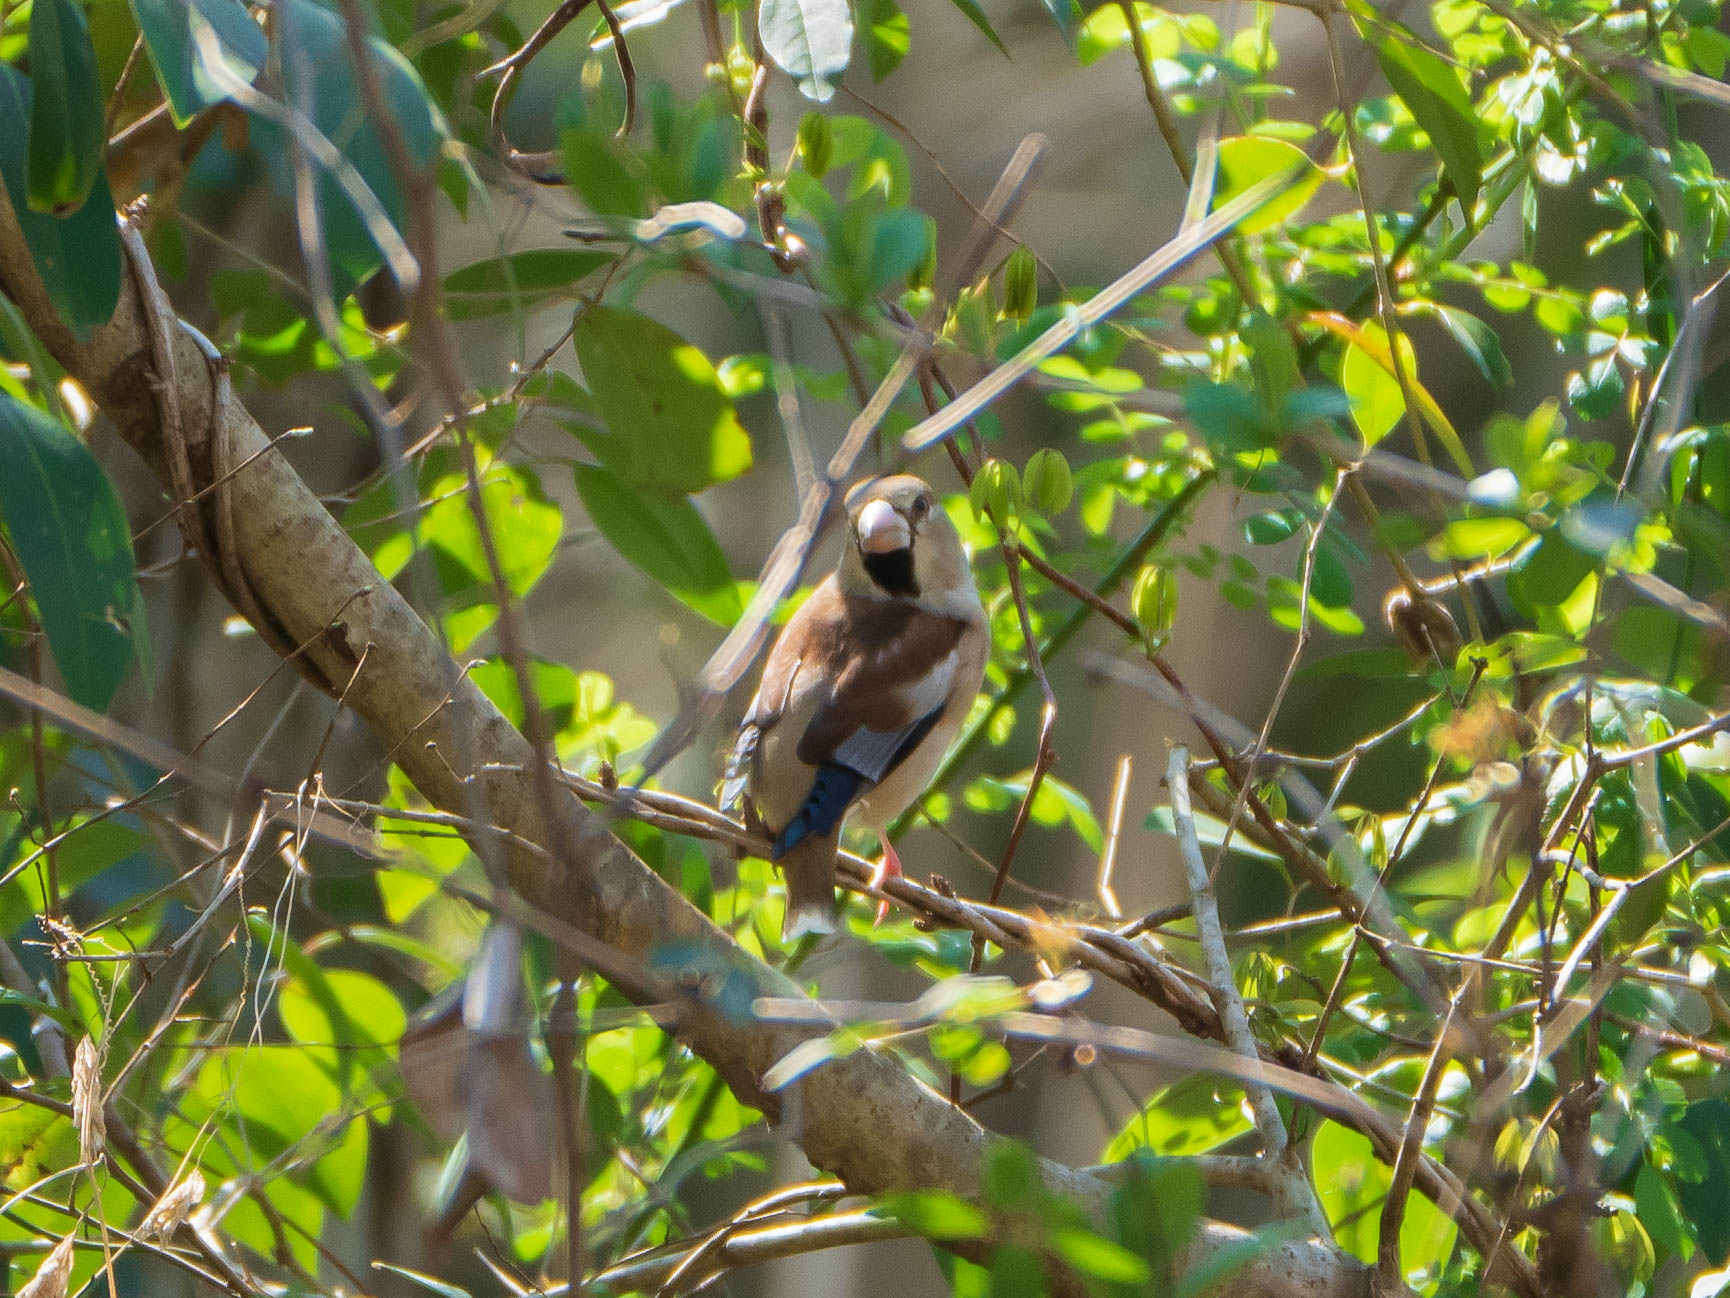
<point>518,281</point>
<point>598,172</point>
<point>72,538</point>
<point>1016,1272</point>
<point>1479,341</point>
<point>168,30</point>
<point>810,40</point>
<point>1432,90</point>
<point>898,244</point>
<point>1706,1201</point>
<point>1228,417</point>
<point>670,426</point>
<point>66,113</point>
<point>976,16</point>
<point>1011,1177</point>
<point>318,72</point>
<point>77,256</point>
<point>1155,1208</point>
<point>887,35</point>
<point>1547,574</point>
<point>666,540</point>
<point>1066,14</point>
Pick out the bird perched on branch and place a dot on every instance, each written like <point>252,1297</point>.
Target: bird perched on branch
<point>863,691</point>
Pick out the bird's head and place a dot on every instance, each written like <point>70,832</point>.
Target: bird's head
<point>902,545</point>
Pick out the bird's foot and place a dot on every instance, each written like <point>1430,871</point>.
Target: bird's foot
<point>888,866</point>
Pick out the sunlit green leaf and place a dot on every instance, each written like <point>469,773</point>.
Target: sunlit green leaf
<point>666,539</point>
<point>1245,161</point>
<point>670,426</point>
<point>1353,1185</point>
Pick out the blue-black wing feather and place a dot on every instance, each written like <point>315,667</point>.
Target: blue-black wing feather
<point>832,792</point>
<point>836,786</point>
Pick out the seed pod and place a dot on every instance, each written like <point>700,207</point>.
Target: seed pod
<point>816,144</point>
<point>924,274</point>
<point>53,1275</point>
<point>1153,603</point>
<point>1020,285</point>
<point>996,492</point>
<point>87,1101</point>
<point>1047,482</point>
<point>176,1203</point>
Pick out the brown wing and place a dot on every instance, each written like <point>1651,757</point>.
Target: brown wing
<point>882,653</point>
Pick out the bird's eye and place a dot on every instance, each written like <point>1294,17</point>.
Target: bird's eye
<point>921,507</point>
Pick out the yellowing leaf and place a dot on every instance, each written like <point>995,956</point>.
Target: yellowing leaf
<point>1375,346</point>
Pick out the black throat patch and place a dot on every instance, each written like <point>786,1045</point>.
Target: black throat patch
<point>892,570</point>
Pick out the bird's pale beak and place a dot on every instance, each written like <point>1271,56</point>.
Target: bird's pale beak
<point>882,529</point>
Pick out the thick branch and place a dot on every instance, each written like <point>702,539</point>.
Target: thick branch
<point>863,1117</point>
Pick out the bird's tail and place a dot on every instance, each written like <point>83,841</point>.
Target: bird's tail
<point>809,868</point>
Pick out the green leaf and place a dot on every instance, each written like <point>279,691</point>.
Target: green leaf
<point>1658,1211</point>
<point>597,168</point>
<point>1431,88</point>
<point>525,529</point>
<point>1066,15</point>
<point>72,537</point>
<point>66,113</point>
<point>281,1097</point>
<point>976,16</point>
<point>519,281</point>
<point>670,425</point>
<point>666,540</point>
<point>1374,395</point>
<point>318,72</point>
<point>810,40</point>
<point>887,36</point>
<point>1706,1201</point>
<point>1096,1256</point>
<point>1353,1185</point>
<point>77,256</point>
<point>1479,341</point>
<point>898,244</point>
<point>1228,417</point>
<point>1193,1116</point>
<point>1247,160</point>
<point>166,26</point>
<point>1106,30</point>
<point>936,1214</point>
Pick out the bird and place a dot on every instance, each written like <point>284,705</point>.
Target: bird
<point>862,693</point>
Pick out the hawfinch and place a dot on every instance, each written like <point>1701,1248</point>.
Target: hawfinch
<point>863,691</point>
